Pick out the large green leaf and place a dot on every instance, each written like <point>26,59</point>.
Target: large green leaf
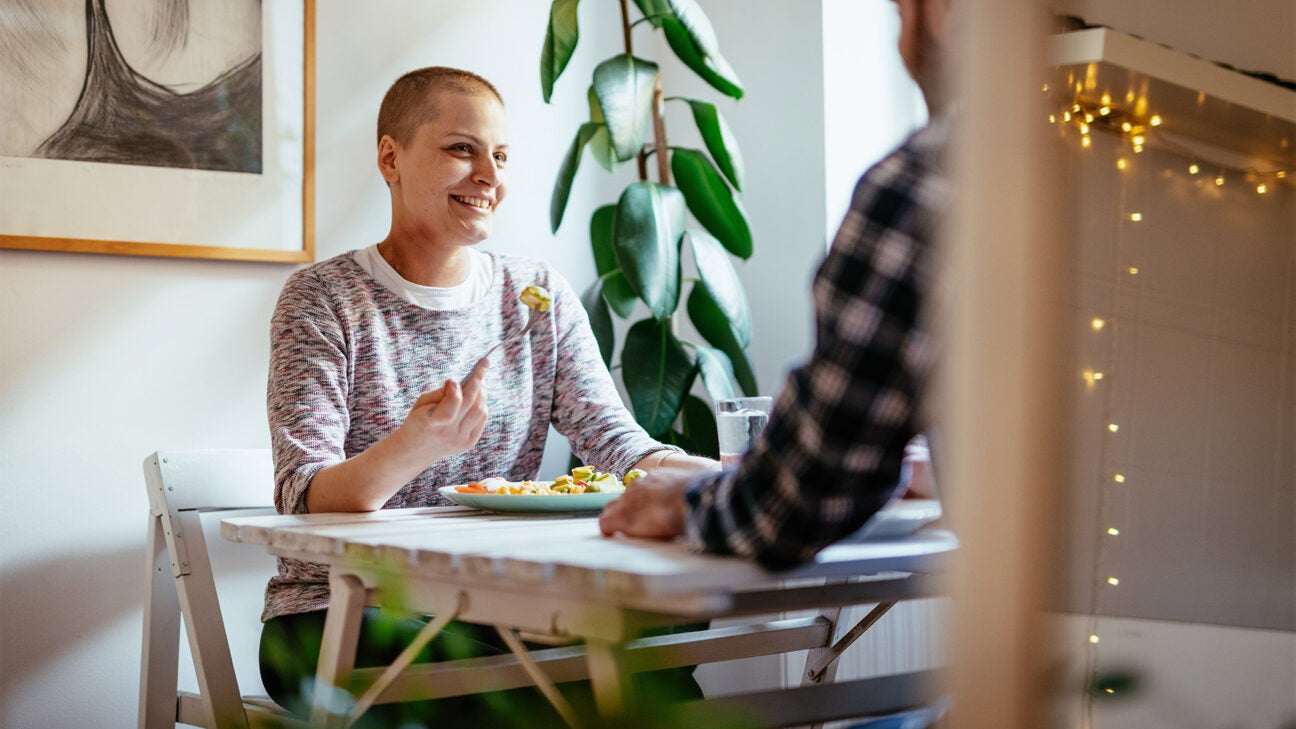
<point>653,10</point>
<point>657,372</point>
<point>624,86</point>
<point>721,281</point>
<point>714,327</point>
<point>712,69</point>
<point>600,320</point>
<point>720,141</point>
<point>699,423</point>
<point>559,44</point>
<point>601,143</point>
<point>697,24</point>
<point>616,289</point>
<point>711,201</point>
<point>566,173</point>
<point>646,235</point>
<point>717,372</point>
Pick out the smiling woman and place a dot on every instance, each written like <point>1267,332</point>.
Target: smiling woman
<point>368,400</point>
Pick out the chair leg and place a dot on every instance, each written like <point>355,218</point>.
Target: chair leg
<point>160,657</point>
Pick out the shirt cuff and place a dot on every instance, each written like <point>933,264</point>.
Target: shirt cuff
<point>700,501</point>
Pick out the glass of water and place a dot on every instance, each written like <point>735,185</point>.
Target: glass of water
<point>739,422</point>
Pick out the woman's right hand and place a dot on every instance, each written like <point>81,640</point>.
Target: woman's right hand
<point>442,422</point>
<point>449,419</point>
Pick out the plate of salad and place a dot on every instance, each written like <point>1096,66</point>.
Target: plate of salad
<point>584,490</point>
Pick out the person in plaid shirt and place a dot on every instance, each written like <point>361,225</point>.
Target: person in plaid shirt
<point>831,455</point>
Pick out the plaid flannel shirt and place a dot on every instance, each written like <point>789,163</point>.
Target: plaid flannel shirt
<point>831,454</point>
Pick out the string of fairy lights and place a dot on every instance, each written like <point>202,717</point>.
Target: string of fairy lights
<point>1078,118</point>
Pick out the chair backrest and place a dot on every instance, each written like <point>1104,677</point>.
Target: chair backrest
<point>181,485</point>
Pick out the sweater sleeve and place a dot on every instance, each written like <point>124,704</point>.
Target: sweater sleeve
<point>306,397</point>
<point>587,407</point>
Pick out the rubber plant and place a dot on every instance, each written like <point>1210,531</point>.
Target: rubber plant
<point>638,243</point>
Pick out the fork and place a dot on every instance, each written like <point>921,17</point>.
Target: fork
<point>536,314</point>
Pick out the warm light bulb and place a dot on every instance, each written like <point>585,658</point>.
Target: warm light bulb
<point>1084,128</point>
<point>1136,217</point>
<point>1139,139</point>
<point>1155,121</point>
<point>1106,99</point>
<point>1110,690</point>
<point>1085,142</point>
<point>1138,149</point>
<point>1121,163</point>
<point>1193,169</point>
<point>1113,581</point>
<point>1093,639</point>
<point>1097,324</point>
<point>1066,116</point>
<point>1113,427</point>
<point>1133,270</point>
<point>1280,174</point>
<point>1262,188</point>
<point>1097,375</point>
<point>1104,111</point>
<point>1219,181</point>
<point>1119,478</point>
<point>1075,108</point>
<point>1088,117</point>
<point>1045,88</point>
<point>1052,119</point>
<point>1125,127</point>
<point>1113,532</point>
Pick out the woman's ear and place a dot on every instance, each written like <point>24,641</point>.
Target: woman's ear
<point>387,151</point>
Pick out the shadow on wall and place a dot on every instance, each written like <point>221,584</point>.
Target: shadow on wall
<point>49,605</point>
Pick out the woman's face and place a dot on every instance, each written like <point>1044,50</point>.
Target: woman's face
<point>448,180</point>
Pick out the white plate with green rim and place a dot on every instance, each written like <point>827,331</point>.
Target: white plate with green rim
<point>588,503</point>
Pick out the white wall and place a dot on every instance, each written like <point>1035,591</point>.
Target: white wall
<point>105,359</point>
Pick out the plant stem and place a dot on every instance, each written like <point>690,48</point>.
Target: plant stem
<point>626,27</point>
<point>659,134</point>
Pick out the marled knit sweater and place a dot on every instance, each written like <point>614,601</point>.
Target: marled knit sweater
<point>348,358</point>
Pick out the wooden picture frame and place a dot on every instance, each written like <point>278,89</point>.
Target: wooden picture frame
<point>158,187</point>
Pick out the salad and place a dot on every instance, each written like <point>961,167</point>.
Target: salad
<point>581,480</point>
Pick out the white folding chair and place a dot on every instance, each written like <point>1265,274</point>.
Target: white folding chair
<point>182,485</point>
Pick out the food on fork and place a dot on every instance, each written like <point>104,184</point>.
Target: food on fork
<point>581,480</point>
<point>536,297</point>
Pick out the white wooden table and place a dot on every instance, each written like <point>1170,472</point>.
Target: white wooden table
<point>556,580</point>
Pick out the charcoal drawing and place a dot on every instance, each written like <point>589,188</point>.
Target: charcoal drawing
<point>120,115</point>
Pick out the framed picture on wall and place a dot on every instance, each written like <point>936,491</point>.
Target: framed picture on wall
<point>178,128</point>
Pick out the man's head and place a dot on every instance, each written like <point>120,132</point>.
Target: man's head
<point>924,43</point>
<point>412,100</point>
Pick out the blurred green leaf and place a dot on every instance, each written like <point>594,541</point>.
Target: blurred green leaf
<point>717,373</point>
<point>653,9</point>
<point>719,139</point>
<point>616,289</point>
<point>712,69</point>
<point>657,372</point>
<point>567,173</point>
<point>711,201</point>
<point>646,234</point>
<point>714,327</point>
<point>624,86</point>
<point>559,44</point>
<point>699,423</point>
<point>722,283</point>
<point>600,320</point>
<point>601,143</point>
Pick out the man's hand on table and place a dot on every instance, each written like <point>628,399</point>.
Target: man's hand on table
<point>652,506</point>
